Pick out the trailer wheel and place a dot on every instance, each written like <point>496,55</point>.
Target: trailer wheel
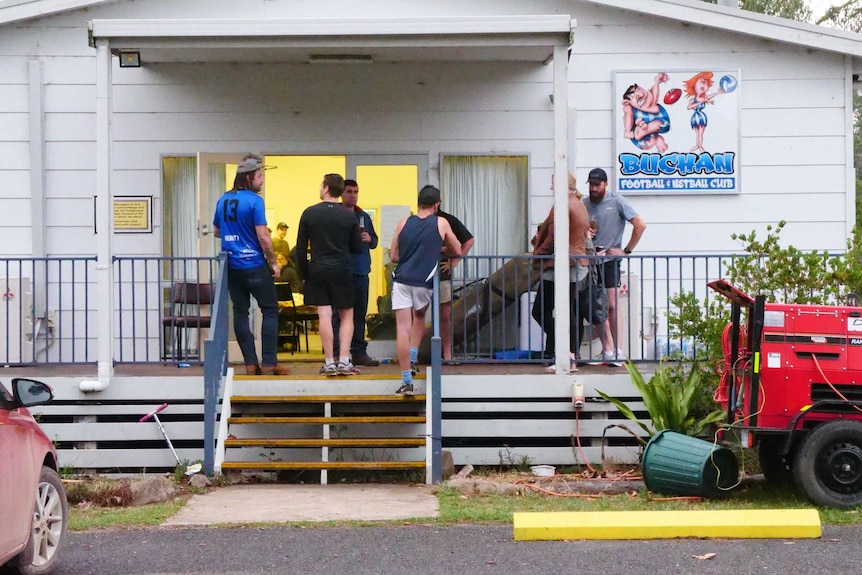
<point>775,468</point>
<point>828,465</point>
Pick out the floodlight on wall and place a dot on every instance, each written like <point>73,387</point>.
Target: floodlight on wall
<point>340,59</point>
<point>130,59</point>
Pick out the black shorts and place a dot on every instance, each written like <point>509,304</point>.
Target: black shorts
<point>611,271</point>
<point>333,291</point>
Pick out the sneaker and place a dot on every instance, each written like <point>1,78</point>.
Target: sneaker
<point>413,368</point>
<point>365,359</point>
<point>347,369</point>
<point>608,358</point>
<point>405,389</point>
<point>329,370</point>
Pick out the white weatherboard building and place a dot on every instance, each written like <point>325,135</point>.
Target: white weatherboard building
<point>102,159</point>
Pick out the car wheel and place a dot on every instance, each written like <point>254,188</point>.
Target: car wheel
<point>50,521</point>
<point>828,465</point>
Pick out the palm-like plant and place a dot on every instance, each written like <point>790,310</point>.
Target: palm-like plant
<point>669,401</point>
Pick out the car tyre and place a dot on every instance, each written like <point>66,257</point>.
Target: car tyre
<point>50,523</point>
<point>828,465</point>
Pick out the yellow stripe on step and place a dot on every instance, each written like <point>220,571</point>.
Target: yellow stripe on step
<point>729,524</point>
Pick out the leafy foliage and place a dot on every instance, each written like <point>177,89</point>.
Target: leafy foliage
<point>785,275</point>
<point>791,9</point>
<point>669,400</point>
<point>845,16</point>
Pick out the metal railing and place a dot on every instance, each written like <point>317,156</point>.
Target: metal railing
<point>48,310</point>
<point>497,311</point>
<point>215,367</point>
<point>49,305</point>
<point>161,316</point>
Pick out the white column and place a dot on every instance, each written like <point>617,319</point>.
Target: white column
<point>104,224</point>
<point>561,208</point>
<point>37,184</point>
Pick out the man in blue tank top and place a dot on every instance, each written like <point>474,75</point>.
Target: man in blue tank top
<point>416,247</point>
<point>240,222</point>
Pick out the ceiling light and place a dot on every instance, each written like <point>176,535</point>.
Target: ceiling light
<point>130,59</point>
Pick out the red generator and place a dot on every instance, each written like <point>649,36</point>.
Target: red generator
<point>792,384</point>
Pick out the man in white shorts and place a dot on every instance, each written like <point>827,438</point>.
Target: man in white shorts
<point>416,248</point>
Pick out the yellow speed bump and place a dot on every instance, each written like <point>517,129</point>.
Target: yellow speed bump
<point>729,524</point>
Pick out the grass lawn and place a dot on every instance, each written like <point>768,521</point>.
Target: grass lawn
<point>456,508</point>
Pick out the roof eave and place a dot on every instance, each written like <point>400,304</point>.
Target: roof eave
<point>746,22</point>
<point>20,10</point>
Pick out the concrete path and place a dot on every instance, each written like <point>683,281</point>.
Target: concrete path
<point>278,503</point>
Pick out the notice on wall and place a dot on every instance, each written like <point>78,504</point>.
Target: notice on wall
<point>389,218</point>
<point>677,131</point>
<point>133,214</point>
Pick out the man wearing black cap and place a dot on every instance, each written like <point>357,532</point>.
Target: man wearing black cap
<point>279,244</point>
<point>240,222</point>
<point>416,247</point>
<point>610,212</point>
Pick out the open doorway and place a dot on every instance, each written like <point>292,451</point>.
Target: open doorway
<point>388,186</point>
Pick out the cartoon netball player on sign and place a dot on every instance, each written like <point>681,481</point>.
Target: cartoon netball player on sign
<point>697,89</point>
<point>644,119</point>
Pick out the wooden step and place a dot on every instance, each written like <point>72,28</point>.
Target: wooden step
<point>276,465</point>
<point>331,420</point>
<point>376,442</point>
<point>366,377</point>
<point>325,398</point>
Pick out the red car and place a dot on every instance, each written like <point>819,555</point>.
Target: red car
<point>33,504</point>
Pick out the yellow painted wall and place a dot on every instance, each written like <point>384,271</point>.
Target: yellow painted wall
<point>295,184</point>
<point>384,186</point>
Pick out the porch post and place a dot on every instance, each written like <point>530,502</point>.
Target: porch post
<point>561,209</point>
<point>104,223</point>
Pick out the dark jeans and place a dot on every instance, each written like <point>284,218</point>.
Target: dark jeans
<point>257,282</point>
<point>358,345</point>
<point>543,313</point>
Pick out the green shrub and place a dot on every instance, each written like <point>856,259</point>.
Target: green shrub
<point>784,275</point>
<point>669,399</point>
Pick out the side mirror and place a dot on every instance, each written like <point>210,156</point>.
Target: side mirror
<point>29,392</point>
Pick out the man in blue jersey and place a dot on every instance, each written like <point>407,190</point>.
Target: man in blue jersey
<point>416,246</point>
<point>240,222</point>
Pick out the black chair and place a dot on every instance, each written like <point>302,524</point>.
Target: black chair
<point>186,312</point>
<point>292,319</point>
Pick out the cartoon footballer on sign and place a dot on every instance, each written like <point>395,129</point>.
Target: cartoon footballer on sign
<point>644,119</point>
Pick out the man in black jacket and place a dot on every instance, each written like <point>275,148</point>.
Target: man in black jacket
<point>333,234</point>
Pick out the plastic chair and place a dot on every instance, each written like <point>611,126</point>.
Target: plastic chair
<point>187,301</point>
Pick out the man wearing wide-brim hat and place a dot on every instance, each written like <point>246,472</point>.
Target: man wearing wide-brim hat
<point>240,222</point>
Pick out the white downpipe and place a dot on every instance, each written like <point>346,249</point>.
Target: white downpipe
<point>561,209</point>
<point>104,224</point>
